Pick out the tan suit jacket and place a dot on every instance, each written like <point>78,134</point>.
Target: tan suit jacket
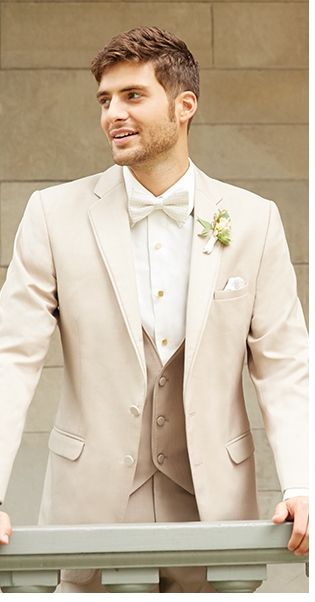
<point>73,266</point>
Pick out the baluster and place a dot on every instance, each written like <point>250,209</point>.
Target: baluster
<point>140,580</point>
<point>236,578</point>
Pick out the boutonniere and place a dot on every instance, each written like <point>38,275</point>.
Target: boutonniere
<point>219,228</point>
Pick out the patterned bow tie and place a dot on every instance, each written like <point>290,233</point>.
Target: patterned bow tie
<point>175,205</point>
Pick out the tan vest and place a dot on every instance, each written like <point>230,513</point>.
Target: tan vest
<point>163,443</point>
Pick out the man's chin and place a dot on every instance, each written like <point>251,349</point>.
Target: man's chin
<point>126,160</point>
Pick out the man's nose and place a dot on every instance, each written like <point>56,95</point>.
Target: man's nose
<point>117,110</point>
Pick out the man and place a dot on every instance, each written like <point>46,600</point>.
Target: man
<point>155,322</point>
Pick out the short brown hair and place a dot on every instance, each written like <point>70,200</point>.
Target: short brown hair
<point>175,67</point>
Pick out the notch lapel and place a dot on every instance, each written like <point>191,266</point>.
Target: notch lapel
<point>110,224</point>
<point>203,270</point>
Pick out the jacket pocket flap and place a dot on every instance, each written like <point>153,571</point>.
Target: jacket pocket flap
<point>65,445</point>
<point>240,448</point>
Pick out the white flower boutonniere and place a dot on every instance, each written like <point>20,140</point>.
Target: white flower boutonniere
<point>219,228</point>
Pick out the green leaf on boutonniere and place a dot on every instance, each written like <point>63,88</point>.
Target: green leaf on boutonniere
<point>219,229</point>
<point>207,227</point>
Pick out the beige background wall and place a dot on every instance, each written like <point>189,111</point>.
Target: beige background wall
<point>250,130</point>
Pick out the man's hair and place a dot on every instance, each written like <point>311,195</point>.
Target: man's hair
<point>175,67</point>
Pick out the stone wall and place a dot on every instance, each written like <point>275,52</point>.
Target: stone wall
<point>251,130</point>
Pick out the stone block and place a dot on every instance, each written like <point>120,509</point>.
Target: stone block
<point>69,34</point>
<point>291,197</point>
<point>40,417</point>
<point>57,135</point>
<point>302,274</point>
<point>13,200</point>
<point>265,467</point>
<point>3,273</point>
<point>267,501</point>
<point>24,492</point>
<point>284,578</point>
<point>230,96</point>
<point>230,152</point>
<point>256,34</point>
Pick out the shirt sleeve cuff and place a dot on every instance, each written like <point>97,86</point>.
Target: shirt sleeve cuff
<point>293,492</point>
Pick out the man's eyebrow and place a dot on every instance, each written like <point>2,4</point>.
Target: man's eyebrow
<point>127,89</point>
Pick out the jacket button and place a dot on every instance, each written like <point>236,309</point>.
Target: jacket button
<point>129,460</point>
<point>160,420</point>
<point>134,410</point>
<point>162,381</point>
<point>160,458</point>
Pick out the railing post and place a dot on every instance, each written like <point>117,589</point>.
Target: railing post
<point>237,587</point>
<point>236,578</point>
<point>140,580</point>
<point>39,581</point>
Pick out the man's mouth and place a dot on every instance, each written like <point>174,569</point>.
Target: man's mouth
<point>122,134</point>
<point>119,136</point>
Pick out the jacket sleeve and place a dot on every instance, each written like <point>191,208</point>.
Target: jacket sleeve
<point>277,357</point>
<point>28,310</point>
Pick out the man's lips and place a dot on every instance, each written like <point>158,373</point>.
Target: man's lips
<point>122,134</point>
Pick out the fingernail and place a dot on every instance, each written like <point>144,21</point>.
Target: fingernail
<point>5,538</point>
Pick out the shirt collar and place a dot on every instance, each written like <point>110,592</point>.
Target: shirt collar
<point>186,182</point>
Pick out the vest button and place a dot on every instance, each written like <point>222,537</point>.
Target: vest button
<point>134,410</point>
<point>129,460</point>
<point>162,381</point>
<point>160,420</point>
<point>160,458</point>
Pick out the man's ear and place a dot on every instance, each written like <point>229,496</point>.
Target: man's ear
<point>186,106</point>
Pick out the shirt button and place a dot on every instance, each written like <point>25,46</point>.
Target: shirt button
<point>134,410</point>
<point>164,342</point>
<point>162,381</point>
<point>160,458</point>
<point>160,421</point>
<point>157,245</point>
<point>160,294</point>
<point>129,460</point>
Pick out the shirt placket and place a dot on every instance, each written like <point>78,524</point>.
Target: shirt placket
<point>157,241</point>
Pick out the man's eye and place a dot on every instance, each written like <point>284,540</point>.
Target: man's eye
<point>105,102</point>
<point>134,95</point>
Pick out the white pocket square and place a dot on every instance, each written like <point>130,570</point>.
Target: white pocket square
<point>235,283</point>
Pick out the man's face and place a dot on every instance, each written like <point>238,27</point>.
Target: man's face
<point>137,118</point>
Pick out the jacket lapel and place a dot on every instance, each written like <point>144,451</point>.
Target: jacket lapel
<point>203,270</point>
<point>110,223</point>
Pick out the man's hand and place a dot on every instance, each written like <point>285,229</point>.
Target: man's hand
<point>5,528</point>
<point>296,509</point>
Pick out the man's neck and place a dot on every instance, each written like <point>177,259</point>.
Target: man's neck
<point>160,177</point>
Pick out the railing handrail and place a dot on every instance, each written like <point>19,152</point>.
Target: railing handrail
<point>129,555</point>
<point>148,537</point>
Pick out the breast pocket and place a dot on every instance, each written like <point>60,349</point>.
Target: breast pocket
<point>231,294</point>
<point>240,448</point>
<point>65,444</point>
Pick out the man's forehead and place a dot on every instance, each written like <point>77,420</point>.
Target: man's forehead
<point>127,75</point>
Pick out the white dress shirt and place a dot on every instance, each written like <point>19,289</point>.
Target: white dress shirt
<point>162,251</point>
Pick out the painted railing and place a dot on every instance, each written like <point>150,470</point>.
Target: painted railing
<point>236,554</point>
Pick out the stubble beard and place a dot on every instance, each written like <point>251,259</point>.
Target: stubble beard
<point>161,138</point>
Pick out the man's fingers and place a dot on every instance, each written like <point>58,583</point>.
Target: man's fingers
<point>296,510</point>
<point>303,548</point>
<point>299,540</point>
<point>281,513</point>
<point>5,528</point>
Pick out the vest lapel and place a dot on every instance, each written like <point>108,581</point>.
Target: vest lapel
<point>110,224</point>
<point>203,270</point>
